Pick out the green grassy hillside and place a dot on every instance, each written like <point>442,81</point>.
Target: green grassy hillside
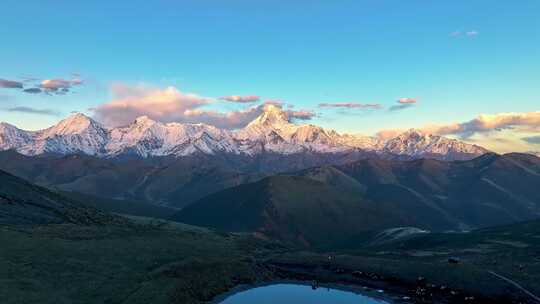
<point>144,263</point>
<point>297,209</point>
<point>24,203</point>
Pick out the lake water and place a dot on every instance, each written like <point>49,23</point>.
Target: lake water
<point>298,294</point>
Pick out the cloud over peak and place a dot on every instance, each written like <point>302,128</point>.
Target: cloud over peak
<point>171,105</point>
<point>486,125</point>
<point>130,102</point>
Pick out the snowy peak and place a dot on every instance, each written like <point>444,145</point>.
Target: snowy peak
<point>272,116</point>
<point>144,121</point>
<point>146,137</point>
<point>419,144</point>
<point>410,139</point>
<point>368,143</point>
<point>77,133</point>
<point>74,124</point>
<point>413,134</point>
<point>311,134</point>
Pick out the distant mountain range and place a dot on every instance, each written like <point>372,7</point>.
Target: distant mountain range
<point>272,133</point>
<point>175,182</point>
<point>331,205</point>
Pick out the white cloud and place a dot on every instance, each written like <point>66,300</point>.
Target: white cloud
<point>486,123</point>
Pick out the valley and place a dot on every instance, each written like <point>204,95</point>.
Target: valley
<point>271,230</point>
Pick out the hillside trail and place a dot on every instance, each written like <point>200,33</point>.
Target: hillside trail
<point>515,284</point>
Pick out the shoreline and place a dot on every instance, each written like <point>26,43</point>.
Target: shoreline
<point>356,289</point>
<point>391,289</point>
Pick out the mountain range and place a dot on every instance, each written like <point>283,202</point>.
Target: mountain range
<point>272,133</point>
<point>331,205</point>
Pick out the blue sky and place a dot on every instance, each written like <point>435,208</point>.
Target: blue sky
<point>457,59</point>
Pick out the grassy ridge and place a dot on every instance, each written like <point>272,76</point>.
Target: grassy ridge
<point>153,261</point>
<point>106,264</point>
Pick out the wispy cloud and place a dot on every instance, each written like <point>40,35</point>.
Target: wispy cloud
<point>29,79</point>
<point>59,86</point>
<point>351,105</point>
<point>33,90</point>
<point>29,110</point>
<point>56,86</point>
<point>301,114</point>
<point>241,99</point>
<point>10,84</point>
<point>404,103</point>
<point>407,100</point>
<point>485,123</point>
<point>472,33</point>
<point>469,34</point>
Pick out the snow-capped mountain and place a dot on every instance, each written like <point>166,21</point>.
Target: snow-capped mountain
<point>271,132</point>
<point>13,138</point>
<point>146,137</point>
<point>418,144</point>
<point>274,131</point>
<point>75,134</point>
